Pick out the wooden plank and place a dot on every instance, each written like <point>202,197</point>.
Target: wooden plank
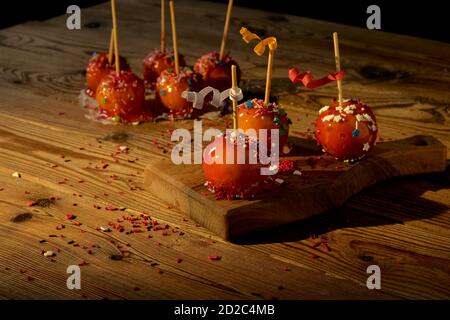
<point>171,266</point>
<point>325,184</point>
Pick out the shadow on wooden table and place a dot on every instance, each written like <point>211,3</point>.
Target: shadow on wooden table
<point>392,202</point>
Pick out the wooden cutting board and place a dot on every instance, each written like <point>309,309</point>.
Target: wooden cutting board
<point>324,184</point>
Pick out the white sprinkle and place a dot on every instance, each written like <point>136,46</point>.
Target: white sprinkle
<point>123,148</point>
<point>16,175</point>
<point>360,118</point>
<point>324,109</point>
<point>328,118</point>
<point>339,109</point>
<point>337,118</point>
<point>49,254</point>
<point>366,146</point>
<point>349,109</point>
<point>105,229</point>
<point>279,181</point>
<point>374,127</point>
<point>297,173</point>
<point>368,117</point>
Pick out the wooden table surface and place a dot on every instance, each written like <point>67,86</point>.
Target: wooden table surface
<point>69,165</point>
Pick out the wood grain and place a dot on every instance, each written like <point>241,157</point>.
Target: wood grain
<point>401,225</point>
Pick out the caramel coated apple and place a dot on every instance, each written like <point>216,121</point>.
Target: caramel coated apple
<point>122,96</point>
<point>156,62</point>
<point>346,132</point>
<point>169,88</point>
<point>231,180</point>
<point>216,72</point>
<point>255,114</point>
<point>98,67</point>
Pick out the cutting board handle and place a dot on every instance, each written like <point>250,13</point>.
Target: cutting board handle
<point>411,156</point>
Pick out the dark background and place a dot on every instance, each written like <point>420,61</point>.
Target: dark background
<point>424,19</point>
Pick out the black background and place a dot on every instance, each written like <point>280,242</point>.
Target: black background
<point>425,19</point>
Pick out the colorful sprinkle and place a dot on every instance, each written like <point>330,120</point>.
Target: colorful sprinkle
<point>70,216</point>
<point>355,133</point>
<point>214,257</point>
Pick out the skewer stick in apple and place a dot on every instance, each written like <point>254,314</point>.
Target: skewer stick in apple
<point>338,66</point>
<point>269,75</point>
<point>174,37</point>
<point>111,48</point>
<point>225,29</point>
<point>163,25</point>
<point>234,98</point>
<point>116,43</point>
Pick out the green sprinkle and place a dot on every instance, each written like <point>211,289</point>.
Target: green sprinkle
<point>104,101</point>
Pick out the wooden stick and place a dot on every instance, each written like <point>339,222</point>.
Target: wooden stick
<point>234,88</point>
<point>163,25</point>
<point>111,47</point>
<point>174,36</point>
<point>337,59</point>
<point>116,43</point>
<point>225,29</point>
<point>269,76</point>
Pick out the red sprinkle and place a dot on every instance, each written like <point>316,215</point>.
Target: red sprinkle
<point>30,203</point>
<point>325,247</point>
<point>286,166</point>
<point>70,216</point>
<point>214,257</point>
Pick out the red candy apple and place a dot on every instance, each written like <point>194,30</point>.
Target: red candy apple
<point>216,72</point>
<point>122,96</point>
<point>98,67</point>
<point>156,62</point>
<point>255,114</point>
<point>231,180</point>
<point>346,132</point>
<point>169,88</point>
